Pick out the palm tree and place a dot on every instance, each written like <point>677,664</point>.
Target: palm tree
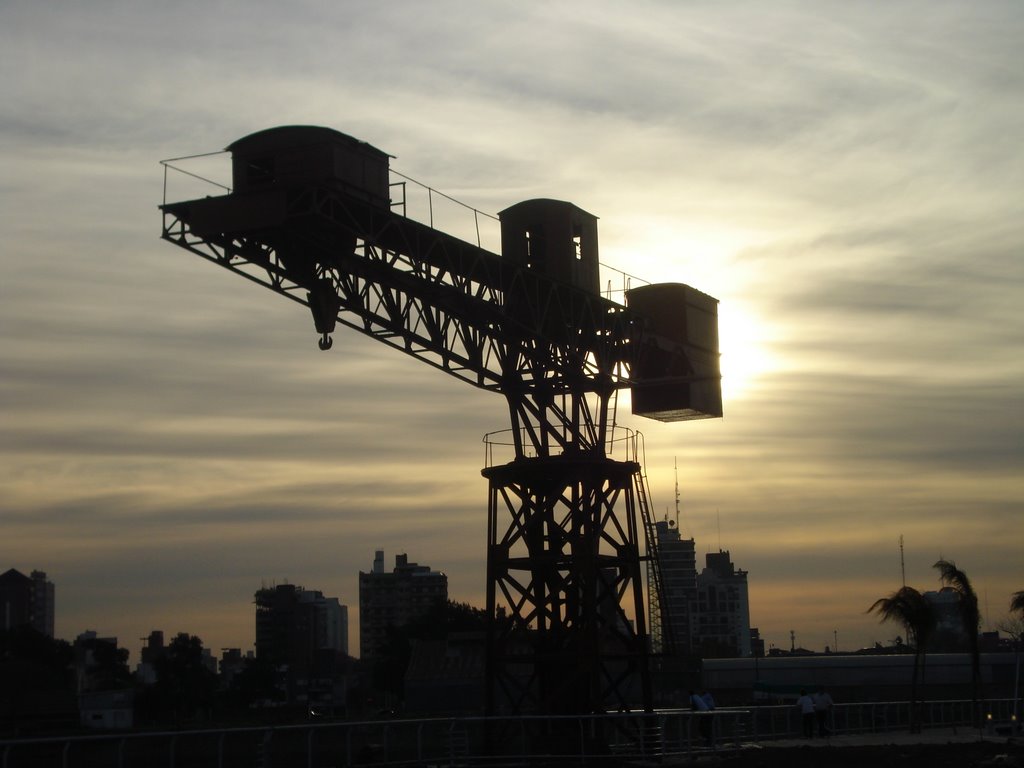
<point>1017,601</point>
<point>970,618</point>
<point>908,607</point>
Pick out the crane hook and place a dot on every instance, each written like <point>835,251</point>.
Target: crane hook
<point>326,342</point>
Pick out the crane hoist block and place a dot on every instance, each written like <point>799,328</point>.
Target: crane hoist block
<point>676,374</point>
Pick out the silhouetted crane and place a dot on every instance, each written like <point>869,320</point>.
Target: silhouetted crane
<point>310,216</point>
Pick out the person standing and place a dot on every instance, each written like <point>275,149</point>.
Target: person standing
<point>822,707</point>
<point>700,706</point>
<point>709,702</point>
<point>806,706</point>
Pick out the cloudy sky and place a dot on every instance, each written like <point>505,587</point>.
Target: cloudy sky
<point>845,178</point>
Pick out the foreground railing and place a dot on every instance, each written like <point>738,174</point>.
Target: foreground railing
<point>589,740</point>
<point>784,722</point>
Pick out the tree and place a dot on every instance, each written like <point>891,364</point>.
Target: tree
<point>908,607</point>
<point>185,687</point>
<point>1017,602</point>
<point>36,678</point>
<point>101,664</point>
<point>257,683</point>
<point>440,621</point>
<point>970,618</point>
<point>42,662</point>
<point>1014,627</point>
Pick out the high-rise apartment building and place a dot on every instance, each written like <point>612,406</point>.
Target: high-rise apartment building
<point>722,619</point>
<point>294,624</point>
<point>26,600</point>
<point>394,599</point>
<point>304,637</point>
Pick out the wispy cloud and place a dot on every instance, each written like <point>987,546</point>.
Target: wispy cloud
<point>846,180</point>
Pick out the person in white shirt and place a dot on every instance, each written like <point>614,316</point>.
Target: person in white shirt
<point>806,706</point>
<point>822,707</point>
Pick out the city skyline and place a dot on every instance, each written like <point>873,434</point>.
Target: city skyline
<point>844,180</point>
<point>353,639</point>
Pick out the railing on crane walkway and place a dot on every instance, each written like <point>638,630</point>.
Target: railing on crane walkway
<point>208,174</point>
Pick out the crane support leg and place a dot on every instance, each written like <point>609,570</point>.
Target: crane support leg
<point>564,593</point>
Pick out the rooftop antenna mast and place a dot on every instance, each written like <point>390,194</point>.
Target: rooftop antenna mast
<point>675,462</point>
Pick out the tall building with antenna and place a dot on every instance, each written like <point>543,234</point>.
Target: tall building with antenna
<point>706,613</point>
<point>677,563</point>
<point>678,558</point>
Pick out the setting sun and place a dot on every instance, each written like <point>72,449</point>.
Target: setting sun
<point>743,341</point>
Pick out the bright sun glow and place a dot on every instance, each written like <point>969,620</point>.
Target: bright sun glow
<point>701,257</point>
<point>745,356</point>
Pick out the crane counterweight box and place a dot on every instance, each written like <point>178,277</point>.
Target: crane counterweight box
<point>676,372</point>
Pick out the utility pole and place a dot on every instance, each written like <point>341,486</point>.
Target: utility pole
<point>903,567</point>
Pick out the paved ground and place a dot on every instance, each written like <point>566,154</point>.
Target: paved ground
<point>934,748</point>
<point>926,736</point>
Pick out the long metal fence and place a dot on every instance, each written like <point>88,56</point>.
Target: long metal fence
<point>470,741</point>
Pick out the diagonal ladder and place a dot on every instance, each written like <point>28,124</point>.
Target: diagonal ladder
<point>660,625</point>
